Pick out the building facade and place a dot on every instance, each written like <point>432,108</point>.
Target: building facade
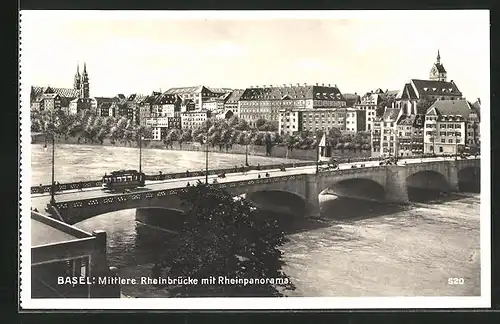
<point>450,127</point>
<point>194,119</point>
<point>267,102</point>
<point>319,119</point>
<point>198,94</point>
<point>355,120</point>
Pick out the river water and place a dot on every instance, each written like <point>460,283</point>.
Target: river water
<point>357,248</point>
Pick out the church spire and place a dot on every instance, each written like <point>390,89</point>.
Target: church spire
<point>438,58</point>
<point>77,81</point>
<point>85,82</point>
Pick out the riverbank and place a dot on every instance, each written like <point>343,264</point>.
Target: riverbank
<point>278,151</point>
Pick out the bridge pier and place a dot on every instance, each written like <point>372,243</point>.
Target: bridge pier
<point>312,195</point>
<point>395,185</point>
<point>453,177</point>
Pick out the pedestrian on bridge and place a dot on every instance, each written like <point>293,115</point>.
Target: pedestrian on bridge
<point>267,175</point>
<point>188,184</point>
<point>259,176</point>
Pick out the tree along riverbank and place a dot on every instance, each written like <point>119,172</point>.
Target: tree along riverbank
<point>277,151</point>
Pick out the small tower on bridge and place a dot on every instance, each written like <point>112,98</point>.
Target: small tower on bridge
<point>325,151</point>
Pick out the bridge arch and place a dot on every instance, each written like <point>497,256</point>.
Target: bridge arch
<point>357,188</point>
<point>426,184</point>
<point>279,201</point>
<point>77,211</point>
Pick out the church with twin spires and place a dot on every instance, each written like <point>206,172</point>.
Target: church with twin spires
<point>81,82</point>
<point>70,99</point>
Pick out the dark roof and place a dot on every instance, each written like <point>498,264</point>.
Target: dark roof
<point>436,88</point>
<point>106,99</point>
<point>184,90</point>
<point>407,93</point>
<point>235,95</point>
<point>391,114</point>
<point>62,92</point>
<point>392,93</point>
<point>294,92</point>
<point>452,107</point>
<point>165,99</point>
<point>440,68</point>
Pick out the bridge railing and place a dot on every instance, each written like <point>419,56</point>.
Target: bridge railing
<point>93,202</point>
<point>158,177</point>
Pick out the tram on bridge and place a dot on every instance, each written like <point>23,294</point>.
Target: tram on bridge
<point>123,180</point>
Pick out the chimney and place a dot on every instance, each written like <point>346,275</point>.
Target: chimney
<point>322,84</point>
<point>317,83</point>
<point>329,85</point>
<point>284,85</point>
<point>305,84</point>
<point>298,84</point>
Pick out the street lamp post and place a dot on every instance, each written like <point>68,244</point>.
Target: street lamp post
<point>246,148</point>
<point>53,186</point>
<point>317,152</point>
<point>140,154</point>
<point>206,159</point>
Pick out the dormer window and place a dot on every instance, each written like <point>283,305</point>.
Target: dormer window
<point>434,89</point>
<point>426,89</point>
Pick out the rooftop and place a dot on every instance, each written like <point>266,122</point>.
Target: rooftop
<point>451,107</point>
<point>45,230</point>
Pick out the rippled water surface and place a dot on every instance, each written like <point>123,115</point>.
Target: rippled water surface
<point>358,249</point>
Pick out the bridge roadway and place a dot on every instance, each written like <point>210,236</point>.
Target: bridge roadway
<point>39,201</point>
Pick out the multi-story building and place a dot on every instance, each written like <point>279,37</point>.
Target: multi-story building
<point>47,101</point>
<point>187,105</point>
<point>388,131</point>
<point>369,103</point>
<point>320,119</point>
<point>267,102</point>
<point>401,126</point>
<point>351,99</point>
<point>165,114</point>
<point>449,126</point>
<point>376,135</point>
<point>198,94</point>
<point>40,95</point>
<point>104,106</point>
<point>79,104</point>
<point>145,107</point>
<point>355,120</point>
<point>410,135</point>
<point>132,105</point>
<point>289,121</point>
<point>232,102</point>
<point>216,103</point>
<point>194,119</point>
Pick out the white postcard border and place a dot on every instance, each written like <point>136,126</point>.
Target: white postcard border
<point>27,302</point>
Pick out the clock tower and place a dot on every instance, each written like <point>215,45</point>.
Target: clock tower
<point>438,73</point>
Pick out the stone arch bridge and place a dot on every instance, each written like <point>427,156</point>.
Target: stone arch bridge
<point>381,183</point>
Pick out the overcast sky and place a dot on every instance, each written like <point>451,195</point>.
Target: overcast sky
<point>138,52</point>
